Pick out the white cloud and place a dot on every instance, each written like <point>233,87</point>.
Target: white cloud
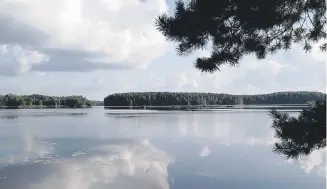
<point>290,70</point>
<point>315,159</point>
<point>182,81</point>
<point>314,162</point>
<point>82,36</point>
<point>15,59</point>
<point>105,31</point>
<point>28,150</point>
<point>138,164</point>
<point>317,54</point>
<point>205,152</point>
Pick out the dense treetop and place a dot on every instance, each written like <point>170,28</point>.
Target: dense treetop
<point>179,98</point>
<point>300,136</point>
<point>241,27</point>
<point>27,101</point>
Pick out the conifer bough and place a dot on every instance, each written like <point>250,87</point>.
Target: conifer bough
<point>242,27</point>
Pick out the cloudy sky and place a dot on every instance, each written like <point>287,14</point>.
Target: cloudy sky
<point>99,47</point>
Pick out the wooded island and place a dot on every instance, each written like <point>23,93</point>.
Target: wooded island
<point>181,98</point>
<point>43,101</point>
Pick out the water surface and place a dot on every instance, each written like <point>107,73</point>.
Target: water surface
<point>126,149</point>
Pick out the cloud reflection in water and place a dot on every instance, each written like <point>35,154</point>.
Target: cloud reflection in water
<point>138,164</point>
<point>181,150</point>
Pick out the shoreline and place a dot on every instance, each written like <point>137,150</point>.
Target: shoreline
<point>174,107</point>
<point>42,107</point>
<point>213,107</point>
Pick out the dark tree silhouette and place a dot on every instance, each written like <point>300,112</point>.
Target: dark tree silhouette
<point>241,27</point>
<point>300,136</point>
<point>178,98</point>
<point>261,27</point>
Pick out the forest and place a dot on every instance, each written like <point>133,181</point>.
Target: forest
<point>181,98</point>
<point>43,101</point>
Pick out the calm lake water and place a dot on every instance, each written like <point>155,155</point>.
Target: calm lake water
<point>142,149</point>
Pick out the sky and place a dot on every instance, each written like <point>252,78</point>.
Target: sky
<point>99,47</point>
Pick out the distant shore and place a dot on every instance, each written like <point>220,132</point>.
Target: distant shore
<point>214,107</point>
<point>37,101</point>
<point>42,107</point>
<point>181,99</point>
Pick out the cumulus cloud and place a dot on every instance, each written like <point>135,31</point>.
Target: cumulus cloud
<point>27,150</point>
<point>182,81</point>
<point>100,32</point>
<point>313,163</point>
<point>138,164</point>
<point>83,36</point>
<point>284,71</point>
<point>134,164</point>
<point>205,152</point>
<point>15,59</point>
<point>315,159</point>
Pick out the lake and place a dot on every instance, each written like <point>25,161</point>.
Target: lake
<point>147,149</point>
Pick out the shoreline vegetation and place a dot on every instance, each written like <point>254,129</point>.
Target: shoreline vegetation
<point>36,101</point>
<point>181,100</point>
<point>166,101</point>
<point>214,107</point>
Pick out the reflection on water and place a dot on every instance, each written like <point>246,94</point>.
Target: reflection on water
<point>147,149</point>
<point>14,114</point>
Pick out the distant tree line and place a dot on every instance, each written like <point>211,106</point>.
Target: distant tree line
<point>179,98</point>
<point>36,100</point>
<point>97,103</point>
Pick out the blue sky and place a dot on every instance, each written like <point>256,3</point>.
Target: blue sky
<point>99,47</point>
